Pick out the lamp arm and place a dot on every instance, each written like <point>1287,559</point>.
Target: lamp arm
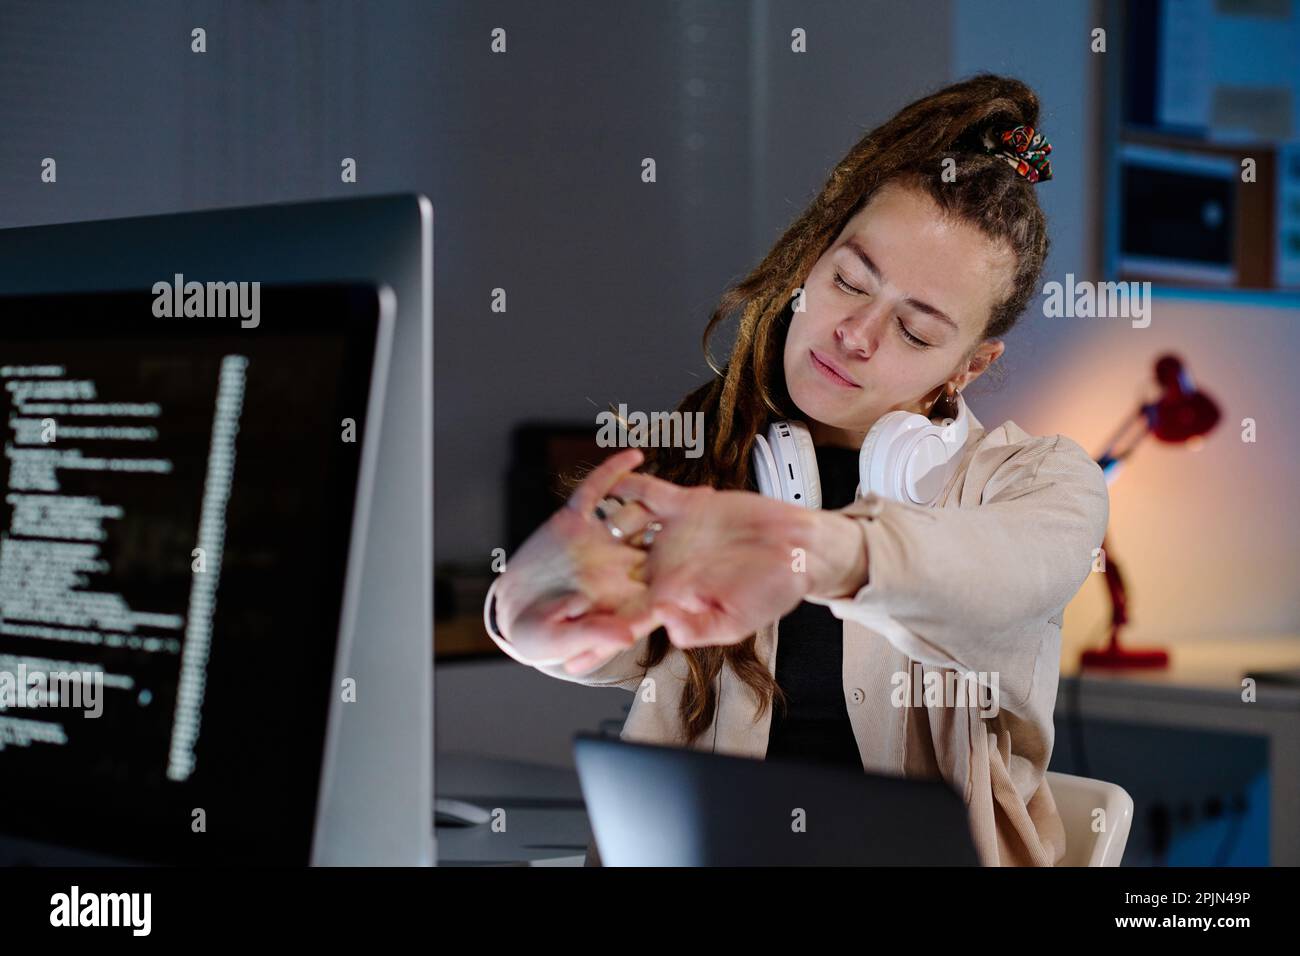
<point>1110,456</point>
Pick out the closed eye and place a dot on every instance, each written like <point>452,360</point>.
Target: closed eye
<point>912,340</point>
<point>851,290</point>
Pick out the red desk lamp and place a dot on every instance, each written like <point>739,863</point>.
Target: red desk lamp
<point>1179,414</point>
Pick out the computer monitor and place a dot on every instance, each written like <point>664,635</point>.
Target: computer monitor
<point>181,529</point>
<point>378,808</point>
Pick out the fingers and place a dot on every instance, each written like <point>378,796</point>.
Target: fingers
<point>567,628</point>
<point>587,661</point>
<point>683,629</point>
<point>600,636</point>
<point>641,618</point>
<point>679,588</point>
<point>600,632</point>
<point>630,518</point>
<point>662,497</point>
<point>574,605</point>
<point>597,484</point>
<point>640,572</point>
<point>706,628</point>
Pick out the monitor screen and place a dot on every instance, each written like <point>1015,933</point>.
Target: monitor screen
<point>175,527</point>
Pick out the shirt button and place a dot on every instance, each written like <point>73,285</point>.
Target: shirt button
<point>857,695</point>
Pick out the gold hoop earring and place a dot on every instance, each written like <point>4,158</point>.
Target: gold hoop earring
<point>945,406</point>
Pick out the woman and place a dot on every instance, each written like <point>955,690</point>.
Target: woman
<point>892,292</point>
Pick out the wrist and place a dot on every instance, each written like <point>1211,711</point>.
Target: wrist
<point>838,564</point>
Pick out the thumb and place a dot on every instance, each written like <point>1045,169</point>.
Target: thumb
<point>642,618</point>
<point>682,629</point>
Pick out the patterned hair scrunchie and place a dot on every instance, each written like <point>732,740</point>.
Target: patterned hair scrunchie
<point>1024,148</point>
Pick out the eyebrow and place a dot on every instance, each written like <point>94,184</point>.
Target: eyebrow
<point>857,250</point>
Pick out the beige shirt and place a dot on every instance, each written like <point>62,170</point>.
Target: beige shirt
<point>969,594</point>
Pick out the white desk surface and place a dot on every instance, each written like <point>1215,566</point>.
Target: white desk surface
<point>1201,666</point>
<point>545,818</point>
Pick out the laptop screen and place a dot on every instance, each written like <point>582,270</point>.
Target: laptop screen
<point>175,527</point>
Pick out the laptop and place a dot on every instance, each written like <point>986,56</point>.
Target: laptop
<point>651,805</point>
<point>181,537</point>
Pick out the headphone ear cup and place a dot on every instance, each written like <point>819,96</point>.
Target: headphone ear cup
<point>909,458</point>
<point>785,465</point>
<point>877,468</point>
<point>765,474</point>
<point>865,459</point>
<point>807,453</point>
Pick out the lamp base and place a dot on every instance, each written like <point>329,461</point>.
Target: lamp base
<point>1115,657</point>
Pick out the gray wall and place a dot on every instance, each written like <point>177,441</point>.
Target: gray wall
<point>532,160</point>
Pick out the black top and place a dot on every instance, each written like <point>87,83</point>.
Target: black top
<point>810,653</point>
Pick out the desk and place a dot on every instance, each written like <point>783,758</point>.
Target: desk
<point>546,819</point>
<point>1201,690</point>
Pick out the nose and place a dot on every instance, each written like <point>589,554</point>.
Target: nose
<point>859,334</point>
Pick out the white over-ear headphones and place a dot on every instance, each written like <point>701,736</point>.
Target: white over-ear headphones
<point>905,457</point>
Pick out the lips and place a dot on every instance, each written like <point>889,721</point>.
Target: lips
<point>830,371</point>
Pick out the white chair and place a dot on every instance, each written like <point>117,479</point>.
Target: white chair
<point>1077,800</point>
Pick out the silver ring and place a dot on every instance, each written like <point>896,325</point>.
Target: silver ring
<point>603,513</point>
<point>648,533</point>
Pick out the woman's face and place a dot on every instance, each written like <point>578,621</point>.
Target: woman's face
<point>897,306</point>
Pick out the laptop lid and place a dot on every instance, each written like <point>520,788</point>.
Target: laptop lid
<point>663,806</point>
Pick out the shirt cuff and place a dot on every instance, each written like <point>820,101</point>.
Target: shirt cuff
<point>864,512</point>
<point>492,628</point>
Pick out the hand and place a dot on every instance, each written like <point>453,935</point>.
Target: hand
<point>572,592</point>
<point>728,562</point>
